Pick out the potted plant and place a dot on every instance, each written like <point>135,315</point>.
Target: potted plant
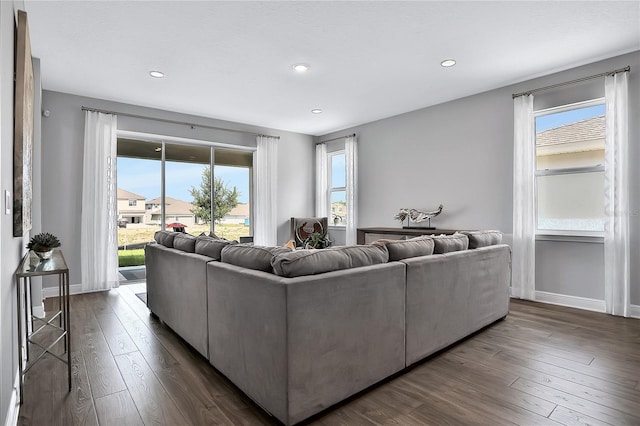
<point>317,240</point>
<point>43,244</point>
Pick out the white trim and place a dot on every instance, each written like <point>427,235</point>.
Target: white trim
<point>150,137</point>
<point>594,239</point>
<point>569,107</point>
<point>38,311</point>
<point>14,404</point>
<point>53,291</point>
<point>634,311</point>
<point>570,301</point>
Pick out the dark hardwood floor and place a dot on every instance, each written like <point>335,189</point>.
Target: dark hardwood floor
<point>542,365</point>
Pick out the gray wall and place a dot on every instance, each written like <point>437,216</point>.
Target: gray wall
<point>11,249</point>
<point>460,154</point>
<point>62,153</point>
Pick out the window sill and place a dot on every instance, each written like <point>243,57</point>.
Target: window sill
<point>337,228</point>
<point>571,237</point>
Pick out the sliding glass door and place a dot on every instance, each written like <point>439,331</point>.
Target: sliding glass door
<point>196,201</point>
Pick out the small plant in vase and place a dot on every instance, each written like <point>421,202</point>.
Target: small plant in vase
<point>43,244</point>
<point>317,240</point>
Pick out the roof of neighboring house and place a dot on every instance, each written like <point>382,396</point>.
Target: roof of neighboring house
<point>242,210</point>
<point>126,195</point>
<point>174,206</point>
<point>580,131</point>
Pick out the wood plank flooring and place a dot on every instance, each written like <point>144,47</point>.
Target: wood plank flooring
<point>542,365</point>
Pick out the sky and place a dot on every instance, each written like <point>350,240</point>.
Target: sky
<point>550,121</point>
<point>142,177</point>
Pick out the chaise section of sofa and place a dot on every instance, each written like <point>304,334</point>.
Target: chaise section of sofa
<point>454,294</point>
<point>299,345</point>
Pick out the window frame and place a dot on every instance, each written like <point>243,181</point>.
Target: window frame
<point>558,234</point>
<point>133,203</point>
<point>331,189</point>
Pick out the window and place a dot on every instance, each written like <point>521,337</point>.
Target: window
<point>337,189</point>
<point>570,169</point>
<point>133,203</point>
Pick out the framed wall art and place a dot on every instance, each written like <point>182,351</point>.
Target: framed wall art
<point>23,130</point>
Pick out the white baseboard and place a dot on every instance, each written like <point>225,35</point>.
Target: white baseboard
<point>38,311</point>
<point>53,291</point>
<point>634,311</point>
<point>571,301</point>
<point>14,404</point>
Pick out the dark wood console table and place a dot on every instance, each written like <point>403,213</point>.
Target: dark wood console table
<point>368,235</point>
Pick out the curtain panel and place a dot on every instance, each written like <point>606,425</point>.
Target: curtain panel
<point>617,256</point>
<point>524,208</point>
<point>322,181</point>
<point>98,233</point>
<point>265,225</point>
<point>351,158</point>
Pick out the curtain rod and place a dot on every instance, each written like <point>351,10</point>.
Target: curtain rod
<point>335,139</point>
<point>164,120</point>
<point>579,80</point>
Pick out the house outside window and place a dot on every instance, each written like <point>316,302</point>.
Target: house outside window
<point>337,189</point>
<point>133,203</point>
<point>570,169</point>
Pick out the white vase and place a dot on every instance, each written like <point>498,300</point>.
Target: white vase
<point>43,255</point>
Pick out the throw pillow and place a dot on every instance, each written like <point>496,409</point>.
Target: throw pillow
<point>449,243</point>
<point>309,262</point>
<point>250,256</point>
<point>403,249</point>
<point>184,242</point>
<point>211,247</point>
<point>479,239</point>
<point>165,238</point>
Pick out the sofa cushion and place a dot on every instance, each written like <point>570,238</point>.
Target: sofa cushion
<point>250,256</point>
<point>479,239</point>
<point>165,238</point>
<point>211,247</point>
<point>404,249</point>
<point>448,243</point>
<point>184,242</point>
<point>309,262</point>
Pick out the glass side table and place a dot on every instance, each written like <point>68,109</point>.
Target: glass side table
<point>32,266</point>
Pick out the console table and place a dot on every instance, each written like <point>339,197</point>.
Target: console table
<point>368,235</point>
<point>32,266</point>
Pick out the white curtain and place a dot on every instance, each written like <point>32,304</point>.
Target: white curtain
<point>616,187</point>
<point>524,209</point>
<point>265,227</point>
<point>98,241</point>
<point>351,158</point>
<point>322,181</point>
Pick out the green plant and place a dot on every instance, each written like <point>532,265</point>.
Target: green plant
<point>43,242</point>
<point>224,198</point>
<point>317,240</point>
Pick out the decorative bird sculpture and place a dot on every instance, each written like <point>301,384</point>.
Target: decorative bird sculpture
<point>416,215</point>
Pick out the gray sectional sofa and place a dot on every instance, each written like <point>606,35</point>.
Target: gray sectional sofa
<point>299,331</point>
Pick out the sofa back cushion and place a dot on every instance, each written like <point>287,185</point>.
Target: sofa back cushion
<point>479,239</point>
<point>448,243</point>
<point>404,249</point>
<point>211,247</point>
<point>165,238</point>
<point>250,256</point>
<point>184,242</point>
<point>309,262</point>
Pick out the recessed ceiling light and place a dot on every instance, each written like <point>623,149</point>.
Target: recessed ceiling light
<point>158,149</point>
<point>316,111</point>
<point>156,74</point>
<point>301,67</point>
<point>448,63</point>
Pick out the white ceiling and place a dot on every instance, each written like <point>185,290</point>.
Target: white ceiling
<point>369,60</point>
